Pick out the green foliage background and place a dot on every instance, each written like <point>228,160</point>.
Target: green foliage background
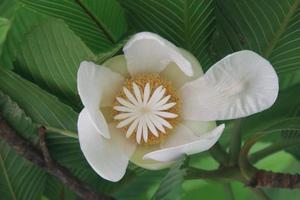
<point>42,43</point>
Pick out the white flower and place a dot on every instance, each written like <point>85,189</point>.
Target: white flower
<point>154,104</point>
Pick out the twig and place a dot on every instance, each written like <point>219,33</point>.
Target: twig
<point>43,146</point>
<point>222,174</point>
<point>219,154</point>
<point>274,148</point>
<point>42,159</point>
<point>264,178</point>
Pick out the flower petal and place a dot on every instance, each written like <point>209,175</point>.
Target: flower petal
<point>108,157</point>
<point>174,146</point>
<point>147,52</point>
<point>118,64</point>
<point>199,127</point>
<point>137,158</point>
<point>173,74</point>
<point>239,85</point>
<point>97,86</point>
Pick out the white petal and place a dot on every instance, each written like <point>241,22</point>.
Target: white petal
<point>199,127</point>
<point>239,85</point>
<point>173,74</point>
<point>193,144</point>
<point>141,150</point>
<point>108,157</point>
<point>149,53</point>
<point>118,64</point>
<point>97,86</point>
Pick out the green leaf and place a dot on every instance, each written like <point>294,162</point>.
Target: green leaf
<point>47,110</point>
<point>4,27</point>
<point>19,179</point>
<point>141,186</point>
<point>22,22</point>
<point>55,190</point>
<point>102,57</point>
<point>16,117</point>
<point>187,23</point>
<point>171,185</point>
<point>8,8</point>
<point>50,55</point>
<point>286,106</point>
<point>292,123</point>
<point>109,16</point>
<point>267,27</point>
<point>292,135</point>
<point>100,24</point>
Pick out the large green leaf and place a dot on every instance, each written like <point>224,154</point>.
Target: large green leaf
<point>55,190</point>
<point>7,8</point>
<point>50,55</point>
<point>19,179</point>
<point>170,187</point>
<point>47,110</point>
<point>142,186</point>
<point>270,28</point>
<point>17,117</point>
<point>285,106</point>
<point>100,24</point>
<point>187,23</point>
<point>22,22</point>
<point>4,27</point>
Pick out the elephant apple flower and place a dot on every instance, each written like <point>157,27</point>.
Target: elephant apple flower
<point>153,104</point>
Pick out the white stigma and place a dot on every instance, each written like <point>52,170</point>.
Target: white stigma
<point>144,112</point>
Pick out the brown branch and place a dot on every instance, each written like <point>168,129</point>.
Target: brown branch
<point>42,159</point>
<point>263,178</point>
<point>43,146</point>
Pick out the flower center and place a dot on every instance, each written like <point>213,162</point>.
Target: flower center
<point>147,109</point>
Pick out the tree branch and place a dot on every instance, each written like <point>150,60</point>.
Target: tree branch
<point>42,159</point>
<point>263,178</point>
<point>219,154</point>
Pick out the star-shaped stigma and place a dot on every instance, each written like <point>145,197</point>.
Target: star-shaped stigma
<point>144,112</point>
